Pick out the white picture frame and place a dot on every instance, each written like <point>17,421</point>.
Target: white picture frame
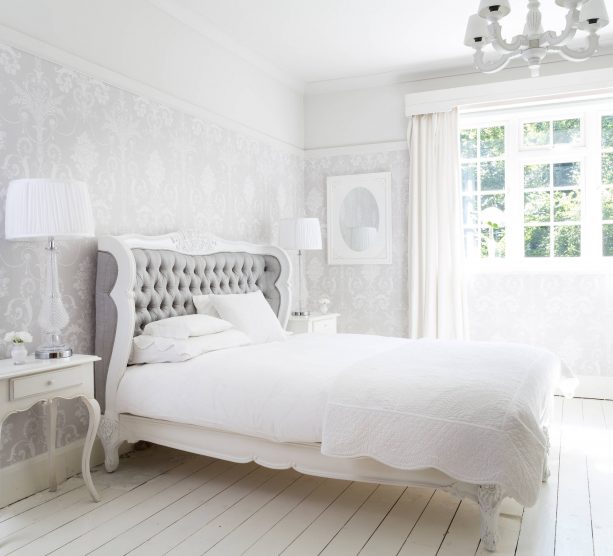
<point>359,219</point>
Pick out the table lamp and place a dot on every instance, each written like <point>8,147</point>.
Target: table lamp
<point>300,234</point>
<point>48,209</point>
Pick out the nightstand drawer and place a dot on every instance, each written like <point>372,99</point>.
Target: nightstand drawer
<point>42,383</point>
<point>324,326</point>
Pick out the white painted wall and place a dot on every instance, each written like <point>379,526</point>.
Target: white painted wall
<point>358,111</point>
<point>139,40</point>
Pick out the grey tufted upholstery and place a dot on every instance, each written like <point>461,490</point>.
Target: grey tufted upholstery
<point>167,280</point>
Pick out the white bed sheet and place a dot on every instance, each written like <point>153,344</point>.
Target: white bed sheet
<point>278,391</point>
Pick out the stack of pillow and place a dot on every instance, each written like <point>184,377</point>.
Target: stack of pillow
<point>221,322</point>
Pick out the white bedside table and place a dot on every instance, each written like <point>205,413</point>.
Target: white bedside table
<point>315,323</point>
<point>22,386</point>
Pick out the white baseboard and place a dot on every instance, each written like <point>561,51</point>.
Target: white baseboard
<point>596,387</point>
<point>32,475</point>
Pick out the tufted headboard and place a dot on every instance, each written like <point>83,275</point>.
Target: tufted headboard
<point>141,279</point>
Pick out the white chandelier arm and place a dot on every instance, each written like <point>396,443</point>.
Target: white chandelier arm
<point>498,41</point>
<point>494,65</point>
<point>551,38</point>
<point>580,54</point>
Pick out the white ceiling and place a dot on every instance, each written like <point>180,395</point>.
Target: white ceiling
<point>318,40</point>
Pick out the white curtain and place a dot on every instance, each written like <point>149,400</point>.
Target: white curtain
<point>436,284</point>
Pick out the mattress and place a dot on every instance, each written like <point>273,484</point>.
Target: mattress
<point>277,391</point>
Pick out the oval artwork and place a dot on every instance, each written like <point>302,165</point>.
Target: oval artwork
<point>359,219</point>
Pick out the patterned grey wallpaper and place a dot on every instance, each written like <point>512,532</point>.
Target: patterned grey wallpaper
<point>372,299</point>
<point>150,169</point>
<point>569,312</point>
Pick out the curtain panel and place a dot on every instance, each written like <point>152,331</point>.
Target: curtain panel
<point>436,257</point>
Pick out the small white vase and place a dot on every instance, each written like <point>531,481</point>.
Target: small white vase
<point>19,354</point>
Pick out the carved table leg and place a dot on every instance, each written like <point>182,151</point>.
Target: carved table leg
<point>489,498</point>
<point>93,409</point>
<point>109,436</point>
<point>52,409</point>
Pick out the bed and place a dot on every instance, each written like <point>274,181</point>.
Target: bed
<point>465,417</point>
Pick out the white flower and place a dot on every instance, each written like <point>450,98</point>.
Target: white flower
<point>20,337</point>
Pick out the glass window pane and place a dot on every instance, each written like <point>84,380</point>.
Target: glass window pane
<point>607,131</point>
<point>469,178</point>
<point>537,133</point>
<point>607,168</point>
<point>537,206</point>
<point>496,200</point>
<point>566,206</point>
<point>469,203</point>
<point>607,204</point>
<point>536,241</point>
<point>492,175</point>
<point>607,240</point>
<point>468,143</point>
<point>536,175</point>
<point>472,239</point>
<point>492,141</point>
<point>567,131</point>
<point>566,174</point>
<point>567,241</point>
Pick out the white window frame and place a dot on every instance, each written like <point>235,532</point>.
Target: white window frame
<point>590,155</point>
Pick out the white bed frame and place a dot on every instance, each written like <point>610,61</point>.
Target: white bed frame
<point>305,458</point>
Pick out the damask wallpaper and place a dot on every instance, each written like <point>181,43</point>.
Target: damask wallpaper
<point>569,312</point>
<point>372,299</point>
<point>150,169</point>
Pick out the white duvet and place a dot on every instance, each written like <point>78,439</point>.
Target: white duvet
<point>473,410</point>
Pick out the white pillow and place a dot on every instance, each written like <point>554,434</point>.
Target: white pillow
<point>186,326</point>
<point>251,313</point>
<point>156,349</point>
<point>204,305</point>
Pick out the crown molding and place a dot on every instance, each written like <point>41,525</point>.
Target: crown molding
<point>26,43</point>
<point>461,69</point>
<point>365,148</point>
<point>202,26</point>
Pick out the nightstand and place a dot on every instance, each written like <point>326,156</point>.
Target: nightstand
<point>315,323</point>
<point>22,386</point>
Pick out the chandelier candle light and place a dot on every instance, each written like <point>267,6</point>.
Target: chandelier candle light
<point>49,209</point>
<point>534,44</point>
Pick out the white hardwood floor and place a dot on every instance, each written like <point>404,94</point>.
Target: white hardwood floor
<point>162,501</point>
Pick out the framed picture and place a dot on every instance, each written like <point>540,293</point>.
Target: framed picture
<point>360,219</point>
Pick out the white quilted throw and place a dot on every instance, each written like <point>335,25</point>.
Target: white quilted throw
<point>473,410</point>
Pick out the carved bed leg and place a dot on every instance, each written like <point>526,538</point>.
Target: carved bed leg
<point>108,432</point>
<point>489,498</point>
<point>546,471</point>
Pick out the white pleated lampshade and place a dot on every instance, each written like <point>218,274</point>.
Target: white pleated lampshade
<point>299,233</point>
<point>44,208</point>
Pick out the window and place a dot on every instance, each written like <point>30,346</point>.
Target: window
<point>538,184</point>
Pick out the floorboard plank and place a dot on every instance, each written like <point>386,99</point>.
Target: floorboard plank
<point>538,528</point>
<point>462,539</point>
<point>599,448</point>
<point>279,537</point>
<point>225,497</point>
<point>314,539</point>
<point>573,525</point>
<point>220,473</point>
<point>214,531</point>
<point>356,532</point>
<point>399,522</point>
<point>508,528</point>
<point>427,535</point>
<point>264,519</point>
<point>86,533</point>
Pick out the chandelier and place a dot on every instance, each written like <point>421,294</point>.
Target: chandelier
<point>534,44</point>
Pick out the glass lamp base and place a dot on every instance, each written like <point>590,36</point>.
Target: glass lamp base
<point>53,352</point>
